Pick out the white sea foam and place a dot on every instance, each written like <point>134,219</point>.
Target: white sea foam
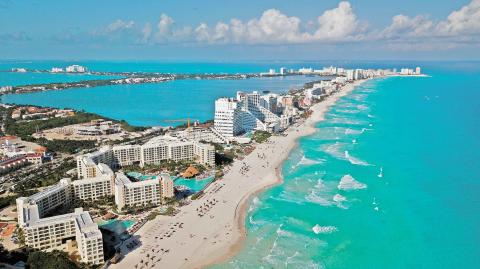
<point>348,111</point>
<point>317,229</point>
<point>349,183</point>
<point>339,198</point>
<point>288,198</point>
<point>349,131</point>
<point>380,174</point>
<point>362,107</point>
<point>307,161</point>
<point>354,160</point>
<point>319,195</point>
<point>349,121</point>
<point>254,204</point>
<point>281,232</point>
<point>334,150</point>
<point>314,197</point>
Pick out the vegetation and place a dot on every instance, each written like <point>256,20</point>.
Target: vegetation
<point>7,201</point>
<point>261,136</point>
<point>197,195</point>
<point>129,128</point>
<point>100,203</point>
<point>49,175</point>
<point>50,260</point>
<point>24,129</point>
<point>170,211</point>
<point>67,146</point>
<point>172,167</point>
<point>153,215</point>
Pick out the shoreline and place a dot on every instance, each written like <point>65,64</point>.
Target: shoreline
<point>219,232</point>
<point>320,112</point>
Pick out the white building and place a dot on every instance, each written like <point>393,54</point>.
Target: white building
<point>156,150</point>
<point>51,232</point>
<point>205,153</point>
<point>96,187</point>
<point>57,70</point>
<point>248,112</point>
<point>228,121</point>
<point>283,71</point>
<point>305,71</point>
<point>75,69</point>
<point>201,134</point>
<point>144,192</point>
<point>418,71</point>
<point>350,75</point>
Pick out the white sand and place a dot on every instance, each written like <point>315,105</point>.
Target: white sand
<point>219,234</point>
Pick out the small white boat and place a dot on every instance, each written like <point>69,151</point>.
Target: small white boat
<point>381,172</point>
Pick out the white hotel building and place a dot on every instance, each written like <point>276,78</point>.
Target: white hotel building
<point>149,191</point>
<point>156,150</point>
<point>248,112</point>
<point>52,232</point>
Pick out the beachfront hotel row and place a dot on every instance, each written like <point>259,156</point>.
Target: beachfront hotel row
<point>271,112</point>
<point>48,233</point>
<point>233,118</point>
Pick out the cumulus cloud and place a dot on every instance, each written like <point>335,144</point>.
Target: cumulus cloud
<point>336,25</point>
<point>119,25</point>
<point>463,21</point>
<point>404,26</point>
<point>273,26</point>
<point>118,30</point>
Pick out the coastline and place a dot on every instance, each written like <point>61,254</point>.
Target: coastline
<point>219,233</point>
<point>318,115</point>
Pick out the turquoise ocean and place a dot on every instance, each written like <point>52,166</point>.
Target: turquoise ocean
<point>405,153</point>
<point>390,179</point>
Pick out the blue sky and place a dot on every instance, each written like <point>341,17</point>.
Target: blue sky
<point>240,30</point>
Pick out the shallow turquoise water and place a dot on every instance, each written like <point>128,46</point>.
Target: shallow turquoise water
<point>412,182</point>
<point>117,226</point>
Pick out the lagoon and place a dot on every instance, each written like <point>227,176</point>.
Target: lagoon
<point>152,104</point>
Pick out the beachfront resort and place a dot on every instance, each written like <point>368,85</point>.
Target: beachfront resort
<point>139,184</point>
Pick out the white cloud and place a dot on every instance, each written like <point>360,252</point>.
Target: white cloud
<point>273,26</point>
<point>146,32</point>
<point>404,26</point>
<point>338,23</point>
<point>463,21</point>
<point>119,25</point>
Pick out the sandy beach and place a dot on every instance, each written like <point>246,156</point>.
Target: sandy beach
<point>211,229</point>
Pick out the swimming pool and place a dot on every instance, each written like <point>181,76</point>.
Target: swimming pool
<point>116,226</point>
<point>193,184</point>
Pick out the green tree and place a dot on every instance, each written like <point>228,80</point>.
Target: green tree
<point>49,260</point>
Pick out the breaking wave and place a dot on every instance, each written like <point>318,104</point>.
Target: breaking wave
<point>349,183</point>
<point>317,229</point>
<point>354,160</point>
